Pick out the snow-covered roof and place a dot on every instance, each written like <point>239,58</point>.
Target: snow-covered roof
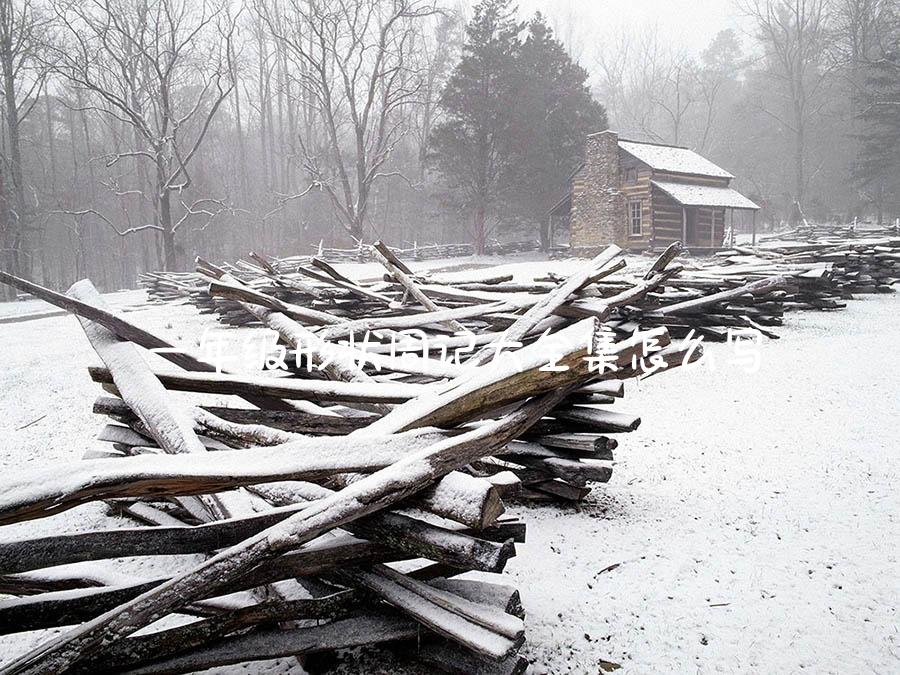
<point>705,195</point>
<point>674,159</point>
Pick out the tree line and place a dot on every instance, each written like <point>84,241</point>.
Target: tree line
<point>806,115</point>
<point>138,133</point>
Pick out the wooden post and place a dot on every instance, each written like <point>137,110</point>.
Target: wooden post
<point>684,225</point>
<point>753,241</point>
<point>731,241</point>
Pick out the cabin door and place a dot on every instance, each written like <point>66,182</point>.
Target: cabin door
<point>690,225</point>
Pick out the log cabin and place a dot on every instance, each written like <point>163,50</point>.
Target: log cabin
<point>644,196</point>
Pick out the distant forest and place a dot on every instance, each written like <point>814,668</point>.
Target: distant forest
<point>137,134</point>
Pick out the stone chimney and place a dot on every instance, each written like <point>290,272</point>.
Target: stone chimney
<point>598,207</point>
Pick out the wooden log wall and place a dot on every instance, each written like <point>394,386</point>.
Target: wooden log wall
<point>667,219</point>
<point>637,189</point>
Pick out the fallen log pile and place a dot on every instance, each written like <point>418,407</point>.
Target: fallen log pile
<point>335,503</point>
<point>849,266</point>
<point>363,252</point>
<point>810,232</point>
<point>479,303</point>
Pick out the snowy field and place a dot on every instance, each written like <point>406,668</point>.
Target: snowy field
<point>751,525</point>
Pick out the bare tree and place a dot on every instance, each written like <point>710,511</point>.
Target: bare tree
<point>23,73</point>
<point>436,52</point>
<point>862,29</point>
<point>353,63</point>
<point>675,93</point>
<point>720,64</point>
<point>612,65</point>
<point>794,35</point>
<point>161,70</point>
<point>648,87</point>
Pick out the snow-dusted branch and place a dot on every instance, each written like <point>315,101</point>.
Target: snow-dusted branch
<point>110,223</point>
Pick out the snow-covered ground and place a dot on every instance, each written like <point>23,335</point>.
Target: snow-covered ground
<point>752,519</point>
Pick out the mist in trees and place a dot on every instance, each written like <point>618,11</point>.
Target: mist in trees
<point>23,72</point>
<point>787,108</point>
<point>876,55</point>
<point>139,133</point>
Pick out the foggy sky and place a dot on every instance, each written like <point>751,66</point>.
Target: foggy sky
<point>690,24</point>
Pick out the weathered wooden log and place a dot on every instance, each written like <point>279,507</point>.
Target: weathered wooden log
<point>509,379</point>
<point>410,535</point>
<point>113,433</point>
<point>549,303</point>
<point>403,276</point>
<point>407,321</point>
<point>286,388</point>
<point>601,420</point>
<point>554,490</point>
<point>616,389</point>
<point>463,498</point>
<point>167,424</point>
<point>341,362</point>
<point>124,330</point>
<point>636,293</point>
<point>457,496</point>
<point>490,594</point>
<point>36,493</point>
<point>449,658</point>
<point>337,280</point>
<point>594,445</point>
<point>483,629</point>
<point>249,421</point>
<point>532,449</point>
<point>157,646</point>
<point>575,472</point>
<point>196,642</point>
<point>501,531</point>
<point>67,607</point>
<point>60,608</point>
<point>290,282</point>
<point>692,306</point>
<point>671,252</point>
<point>245,295</point>
<point>222,434</point>
<point>379,490</point>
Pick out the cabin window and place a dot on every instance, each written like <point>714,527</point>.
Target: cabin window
<point>631,175</point>
<point>635,211</point>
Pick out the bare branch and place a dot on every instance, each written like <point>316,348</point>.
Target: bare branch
<point>94,212</point>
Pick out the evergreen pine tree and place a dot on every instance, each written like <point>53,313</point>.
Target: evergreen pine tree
<point>472,145</point>
<point>878,168</point>
<point>554,113</point>
<point>516,113</point>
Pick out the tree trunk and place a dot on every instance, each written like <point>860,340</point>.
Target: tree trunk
<point>168,234</point>
<point>879,203</point>
<point>356,227</point>
<point>239,130</point>
<point>478,224</point>
<point>88,240</point>
<point>799,158</point>
<point>15,221</point>
<point>262,94</point>
<point>6,292</point>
